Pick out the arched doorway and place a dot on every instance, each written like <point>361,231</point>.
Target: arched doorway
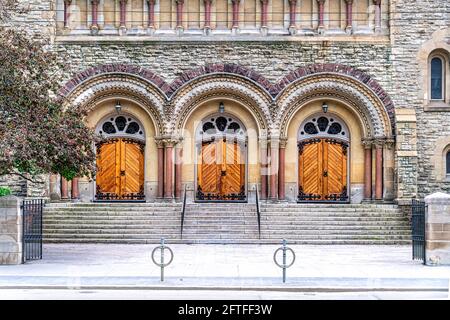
<point>323,160</point>
<point>221,141</point>
<point>120,159</point>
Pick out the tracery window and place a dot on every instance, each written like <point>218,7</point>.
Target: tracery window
<point>220,125</point>
<point>121,125</point>
<point>324,126</point>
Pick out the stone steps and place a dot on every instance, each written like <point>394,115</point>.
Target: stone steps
<point>225,223</point>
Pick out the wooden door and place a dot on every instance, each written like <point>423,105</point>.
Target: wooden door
<point>221,171</point>
<point>323,170</point>
<point>120,170</point>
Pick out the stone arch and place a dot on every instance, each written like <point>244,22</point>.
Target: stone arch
<point>216,86</point>
<point>375,119</point>
<point>98,88</point>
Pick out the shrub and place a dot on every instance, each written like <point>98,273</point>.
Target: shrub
<point>4,191</point>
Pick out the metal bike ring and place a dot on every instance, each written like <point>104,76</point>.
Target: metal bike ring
<point>159,264</point>
<point>275,257</point>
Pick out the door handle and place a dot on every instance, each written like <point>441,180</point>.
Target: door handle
<point>223,173</point>
<point>122,172</point>
<point>325,173</point>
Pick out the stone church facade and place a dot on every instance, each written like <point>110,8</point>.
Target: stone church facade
<point>300,100</point>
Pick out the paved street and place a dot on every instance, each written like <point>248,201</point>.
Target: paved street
<point>225,272</point>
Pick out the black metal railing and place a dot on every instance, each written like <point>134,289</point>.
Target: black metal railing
<point>418,210</point>
<point>182,212</point>
<point>258,213</point>
<point>32,229</point>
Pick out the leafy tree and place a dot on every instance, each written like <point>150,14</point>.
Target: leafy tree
<point>37,135</point>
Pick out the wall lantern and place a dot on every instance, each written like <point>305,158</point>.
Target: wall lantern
<point>324,107</point>
<point>221,107</point>
<point>118,106</point>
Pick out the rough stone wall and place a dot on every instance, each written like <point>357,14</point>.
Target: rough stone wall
<point>413,23</point>
<point>392,62</point>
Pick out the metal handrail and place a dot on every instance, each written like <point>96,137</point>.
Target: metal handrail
<point>258,212</point>
<point>183,211</point>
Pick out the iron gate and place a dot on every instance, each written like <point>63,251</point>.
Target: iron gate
<point>418,230</point>
<point>32,229</point>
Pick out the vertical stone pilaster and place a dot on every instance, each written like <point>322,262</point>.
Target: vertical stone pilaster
<point>75,190</point>
<point>367,169</point>
<point>282,168</point>
<point>55,187</point>
<point>67,4</point>
<point>180,5</point>
<point>235,22</point>
<point>263,167</point>
<point>321,26</point>
<point>377,4</point>
<point>94,25</point>
<point>207,26</point>
<point>178,170</point>
<point>264,26</point>
<point>11,231</point>
<point>378,170</point>
<point>389,169</point>
<point>348,16</point>
<point>151,16</point>
<point>161,164</point>
<point>274,153</point>
<point>292,16</point>
<point>64,188</point>
<point>123,17</point>
<point>406,161</point>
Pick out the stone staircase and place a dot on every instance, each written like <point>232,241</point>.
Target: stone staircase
<point>225,223</point>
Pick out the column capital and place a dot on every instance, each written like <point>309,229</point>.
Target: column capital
<point>283,142</point>
<point>123,1</point>
<point>264,1</point>
<point>68,2</point>
<point>367,143</point>
<point>179,1</point>
<point>207,1</point>
<point>167,141</point>
<point>93,2</point>
<point>349,1</point>
<point>151,2</point>
<point>292,2</point>
<point>377,2</point>
<point>320,1</point>
<point>235,1</point>
<point>379,142</point>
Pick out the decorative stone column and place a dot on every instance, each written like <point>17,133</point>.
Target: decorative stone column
<point>75,190</point>
<point>94,24</point>
<point>235,22</point>
<point>179,28</point>
<point>178,168</point>
<point>67,4</point>
<point>64,188</point>
<point>292,16</point>
<point>437,229</point>
<point>274,150</point>
<point>264,26</point>
<point>123,17</point>
<point>160,146</point>
<point>281,171</point>
<point>367,169</point>
<point>263,167</point>
<point>348,16</point>
<point>207,26</point>
<point>321,26</point>
<point>377,4</point>
<point>55,188</point>
<point>378,170</point>
<point>151,17</point>
<point>168,181</point>
<point>388,170</point>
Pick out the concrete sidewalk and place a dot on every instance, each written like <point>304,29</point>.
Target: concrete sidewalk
<point>227,267</point>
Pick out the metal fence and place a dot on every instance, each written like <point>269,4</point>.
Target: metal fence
<point>32,229</point>
<point>418,210</point>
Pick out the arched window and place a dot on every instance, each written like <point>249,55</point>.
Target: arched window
<point>447,162</point>
<point>121,126</point>
<point>437,78</point>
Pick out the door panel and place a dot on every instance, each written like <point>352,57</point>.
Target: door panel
<point>120,175</point>
<point>221,171</point>
<point>323,170</point>
<point>310,173</point>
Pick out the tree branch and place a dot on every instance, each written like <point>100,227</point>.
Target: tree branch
<point>24,177</point>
